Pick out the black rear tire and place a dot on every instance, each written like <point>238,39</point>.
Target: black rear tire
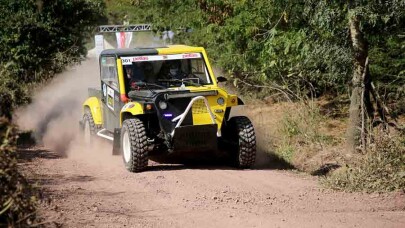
<point>89,127</point>
<point>241,136</point>
<point>134,145</point>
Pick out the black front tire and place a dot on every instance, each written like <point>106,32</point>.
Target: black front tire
<point>241,135</point>
<point>134,145</point>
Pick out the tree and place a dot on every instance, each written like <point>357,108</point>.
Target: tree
<point>42,36</point>
<point>369,15</point>
<point>39,38</point>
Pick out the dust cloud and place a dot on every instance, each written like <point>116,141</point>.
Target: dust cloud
<point>56,109</point>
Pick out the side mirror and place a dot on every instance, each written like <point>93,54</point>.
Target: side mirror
<point>221,79</point>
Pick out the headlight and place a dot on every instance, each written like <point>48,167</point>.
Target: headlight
<point>162,105</point>
<point>221,101</point>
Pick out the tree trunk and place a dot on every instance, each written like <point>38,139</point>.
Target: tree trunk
<point>359,79</point>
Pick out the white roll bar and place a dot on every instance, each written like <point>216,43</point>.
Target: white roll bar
<point>182,116</point>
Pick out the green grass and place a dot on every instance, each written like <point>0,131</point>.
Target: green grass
<point>300,133</point>
<point>286,151</point>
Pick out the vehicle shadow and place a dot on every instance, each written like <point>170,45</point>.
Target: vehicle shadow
<point>187,166</point>
<point>264,161</point>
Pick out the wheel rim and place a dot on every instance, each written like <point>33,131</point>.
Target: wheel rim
<point>126,146</point>
<point>87,133</point>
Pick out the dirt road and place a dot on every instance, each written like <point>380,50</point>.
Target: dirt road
<point>93,189</point>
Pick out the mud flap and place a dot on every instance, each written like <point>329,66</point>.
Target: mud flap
<point>195,138</point>
<point>117,142</point>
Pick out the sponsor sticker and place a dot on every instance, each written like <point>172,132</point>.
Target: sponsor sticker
<point>104,90</point>
<point>127,106</point>
<point>110,98</point>
<point>191,55</point>
<point>129,60</point>
<point>140,58</point>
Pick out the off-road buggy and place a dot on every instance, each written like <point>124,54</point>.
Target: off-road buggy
<point>157,101</point>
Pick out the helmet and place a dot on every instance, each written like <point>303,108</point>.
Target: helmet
<point>175,67</point>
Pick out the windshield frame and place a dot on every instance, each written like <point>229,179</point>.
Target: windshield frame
<point>207,78</point>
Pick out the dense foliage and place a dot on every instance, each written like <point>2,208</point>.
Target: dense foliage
<point>39,38</point>
<point>294,45</point>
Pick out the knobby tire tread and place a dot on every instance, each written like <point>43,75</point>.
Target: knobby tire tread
<point>139,145</point>
<point>246,142</point>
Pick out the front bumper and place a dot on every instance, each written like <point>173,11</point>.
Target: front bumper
<point>195,138</point>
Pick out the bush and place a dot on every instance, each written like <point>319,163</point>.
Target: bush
<point>17,199</point>
<point>39,39</point>
<point>12,93</point>
<point>381,169</point>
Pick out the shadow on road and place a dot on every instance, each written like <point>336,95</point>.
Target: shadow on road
<point>211,166</point>
<point>264,161</point>
<point>274,162</point>
<point>27,154</point>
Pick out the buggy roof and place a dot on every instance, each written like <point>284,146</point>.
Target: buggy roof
<point>165,50</point>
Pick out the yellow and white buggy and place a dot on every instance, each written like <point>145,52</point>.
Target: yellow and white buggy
<point>157,101</point>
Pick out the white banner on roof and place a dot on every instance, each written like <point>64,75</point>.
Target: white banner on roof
<point>129,60</point>
<point>128,39</point>
<point>123,39</point>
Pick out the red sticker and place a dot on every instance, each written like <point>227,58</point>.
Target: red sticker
<point>140,58</point>
<point>191,55</point>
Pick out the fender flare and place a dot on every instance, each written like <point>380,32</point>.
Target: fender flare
<point>93,104</point>
<point>131,108</point>
<point>228,110</point>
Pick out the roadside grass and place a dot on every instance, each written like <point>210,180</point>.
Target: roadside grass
<point>314,143</point>
<point>381,169</point>
<point>302,136</point>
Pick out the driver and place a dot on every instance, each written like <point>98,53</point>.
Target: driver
<point>175,71</point>
<point>128,71</point>
<point>135,72</point>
